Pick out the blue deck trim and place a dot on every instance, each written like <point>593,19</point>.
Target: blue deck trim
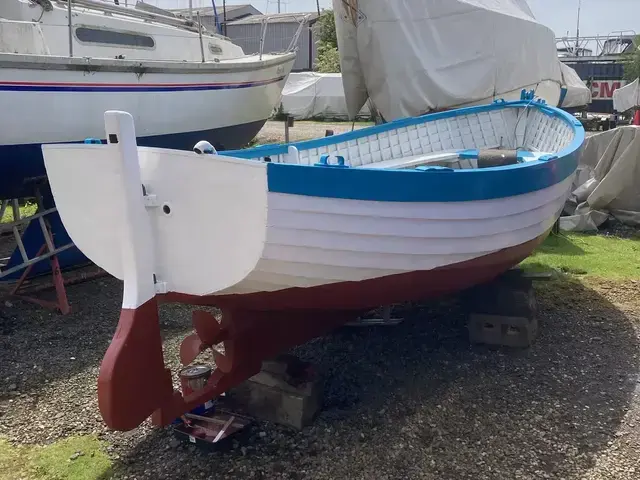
<point>394,185</point>
<point>419,185</point>
<point>121,88</point>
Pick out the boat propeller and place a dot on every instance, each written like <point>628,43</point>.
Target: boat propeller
<point>207,334</point>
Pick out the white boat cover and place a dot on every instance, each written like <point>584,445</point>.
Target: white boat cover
<point>627,97</point>
<point>578,94</point>
<point>416,56</point>
<point>316,95</point>
<point>607,182</point>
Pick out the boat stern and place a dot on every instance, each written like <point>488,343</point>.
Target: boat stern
<point>166,222</point>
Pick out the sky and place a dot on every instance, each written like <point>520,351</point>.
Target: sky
<point>598,17</point>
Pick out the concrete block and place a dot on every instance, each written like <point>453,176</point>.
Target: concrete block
<point>502,330</point>
<point>502,312</point>
<point>286,391</point>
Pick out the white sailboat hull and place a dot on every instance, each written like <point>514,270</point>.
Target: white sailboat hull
<point>162,103</point>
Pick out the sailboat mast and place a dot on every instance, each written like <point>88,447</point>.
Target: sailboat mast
<point>578,28</point>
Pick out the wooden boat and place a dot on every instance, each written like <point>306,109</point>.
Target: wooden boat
<point>290,241</point>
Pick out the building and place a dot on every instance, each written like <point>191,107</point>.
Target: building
<point>207,15</point>
<point>281,28</point>
<point>599,63</point>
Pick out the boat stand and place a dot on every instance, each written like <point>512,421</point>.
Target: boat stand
<point>47,251</point>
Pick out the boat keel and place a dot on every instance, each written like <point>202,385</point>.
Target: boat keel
<point>133,381</point>
<point>135,384</point>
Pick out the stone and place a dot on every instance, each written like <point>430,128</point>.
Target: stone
<point>76,455</point>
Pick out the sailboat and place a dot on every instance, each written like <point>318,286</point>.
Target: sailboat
<point>63,64</point>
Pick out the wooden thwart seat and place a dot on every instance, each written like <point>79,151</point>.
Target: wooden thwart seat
<point>414,161</point>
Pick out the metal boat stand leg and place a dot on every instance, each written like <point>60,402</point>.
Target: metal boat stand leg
<point>384,319</point>
<point>62,303</point>
<point>47,251</point>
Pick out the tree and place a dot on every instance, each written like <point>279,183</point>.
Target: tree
<point>328,59</point>
<point>631,61</point>
<point>326,26</point>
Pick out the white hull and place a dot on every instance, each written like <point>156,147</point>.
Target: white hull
<point>220,225</point>
<point>311,242</point>
<point>227,234</point>
<point>42,105</point>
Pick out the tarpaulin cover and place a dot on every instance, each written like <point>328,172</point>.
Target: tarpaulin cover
<point>316,95</point>
<point>627,97</point>
<point>607,182</point>
<point>415,56</point>
<point>578,94</point>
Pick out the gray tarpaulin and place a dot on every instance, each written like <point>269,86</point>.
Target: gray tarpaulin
<point>607,182</point>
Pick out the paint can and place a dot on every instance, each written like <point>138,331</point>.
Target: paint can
<point>194,378</point>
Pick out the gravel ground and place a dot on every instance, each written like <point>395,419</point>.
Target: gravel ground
<point>412,401</point>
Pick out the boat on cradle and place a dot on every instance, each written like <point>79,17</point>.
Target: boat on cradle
<point>292,240</point>
<point>58,75</point>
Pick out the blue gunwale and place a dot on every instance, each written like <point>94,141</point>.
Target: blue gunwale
<point>394,185</point>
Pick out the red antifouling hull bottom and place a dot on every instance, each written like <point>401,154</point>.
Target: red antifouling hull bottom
<point>134,382</point>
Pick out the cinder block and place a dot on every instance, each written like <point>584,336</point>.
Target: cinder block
<point>503,312</point>
<point>286,391</point>
<point>502,330</point>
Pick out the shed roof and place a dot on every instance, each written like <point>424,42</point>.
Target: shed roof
<point>277,18</point>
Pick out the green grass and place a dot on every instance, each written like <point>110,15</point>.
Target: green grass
<point>53,462</point>
<point>588,256</point>
<point>25,211</point>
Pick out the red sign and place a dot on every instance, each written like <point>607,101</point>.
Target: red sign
<point>603,89</point>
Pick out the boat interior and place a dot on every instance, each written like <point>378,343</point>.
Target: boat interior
<point>478,139</point>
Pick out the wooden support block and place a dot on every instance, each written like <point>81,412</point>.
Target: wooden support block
<point>286,391</point>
